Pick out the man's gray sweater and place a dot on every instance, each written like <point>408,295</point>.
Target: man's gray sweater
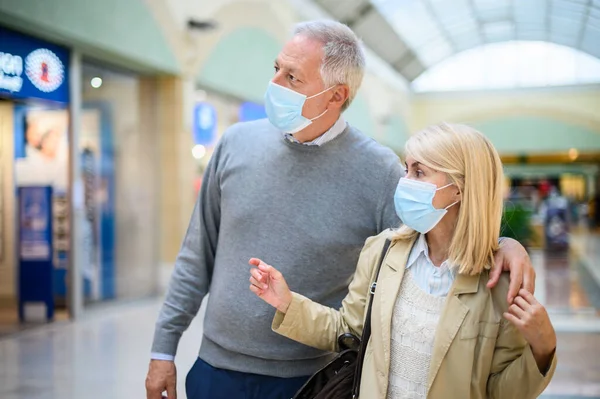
<point>306,210</point>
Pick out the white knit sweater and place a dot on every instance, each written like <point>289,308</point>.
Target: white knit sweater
<point>415,319</point>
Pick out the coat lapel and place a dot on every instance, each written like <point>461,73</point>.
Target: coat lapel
<point>451,319</point>
<point>387,289</point>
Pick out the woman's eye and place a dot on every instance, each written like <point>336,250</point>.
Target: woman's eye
<point>420,173</point>
<point>276,69</point>
<point>292,78</point>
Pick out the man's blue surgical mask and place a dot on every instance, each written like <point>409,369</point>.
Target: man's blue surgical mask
<point>414,204</point>
<point>284,108</point>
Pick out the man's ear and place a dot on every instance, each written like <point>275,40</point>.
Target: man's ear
<point>340,96</point>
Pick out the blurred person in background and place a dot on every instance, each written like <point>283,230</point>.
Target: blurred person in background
<point>438,338</point>
<point>302,189</point>
<point>555,213</point>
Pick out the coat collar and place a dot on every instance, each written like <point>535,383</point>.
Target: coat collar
<point>388,286</point>
<point>464,284</point>
<point>451,319</point>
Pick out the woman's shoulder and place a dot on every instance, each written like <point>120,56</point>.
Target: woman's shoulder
<point>381,238</point>
<point>499,291</point>
<point>375,244</point>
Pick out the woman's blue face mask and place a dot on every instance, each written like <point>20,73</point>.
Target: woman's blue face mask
<point>414,204</point>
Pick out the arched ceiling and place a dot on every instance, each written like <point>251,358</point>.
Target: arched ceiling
<point>413,35</point>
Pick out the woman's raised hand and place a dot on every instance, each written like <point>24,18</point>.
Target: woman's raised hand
<point>532,320</point>
<point>268,284</point>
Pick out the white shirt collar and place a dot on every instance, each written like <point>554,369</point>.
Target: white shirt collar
<point>338,128</point>
<point>421,247</point>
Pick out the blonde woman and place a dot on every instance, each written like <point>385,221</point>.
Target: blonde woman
<point>437,331</point>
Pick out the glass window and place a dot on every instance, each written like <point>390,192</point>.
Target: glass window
<point>511,65</point>
<point>119,175</point>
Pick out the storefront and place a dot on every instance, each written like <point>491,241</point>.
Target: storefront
<point>85,133</point>
<point>34,154</point>
<point>119,145</point>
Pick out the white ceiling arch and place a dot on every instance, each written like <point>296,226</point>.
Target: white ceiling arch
<point>413,35</point>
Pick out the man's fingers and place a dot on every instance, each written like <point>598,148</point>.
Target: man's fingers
<point>516,280</point>
<point>172,391</point>
<point>162,375</point>
<point>153,388</point>
<point>529,279</point>
<point>153,392</point>
<point>495,272</point>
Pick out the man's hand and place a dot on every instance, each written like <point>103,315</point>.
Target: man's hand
<point>513,257</point>
<point>162,376</point>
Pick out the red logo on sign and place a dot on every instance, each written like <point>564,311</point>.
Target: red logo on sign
<point>45,70</point>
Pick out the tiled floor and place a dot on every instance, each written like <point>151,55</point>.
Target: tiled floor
<point>578,371</point>
<point>9,320</point>
<point>105,354</point>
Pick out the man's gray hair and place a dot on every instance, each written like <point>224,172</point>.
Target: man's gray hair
<point>343,56</point>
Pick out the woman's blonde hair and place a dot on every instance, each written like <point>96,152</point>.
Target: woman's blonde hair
<point>473,165</point>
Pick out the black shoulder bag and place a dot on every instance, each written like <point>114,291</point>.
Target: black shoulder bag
<point>340,378</point>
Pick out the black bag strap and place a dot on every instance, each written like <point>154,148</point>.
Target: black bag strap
<point>367,327</point>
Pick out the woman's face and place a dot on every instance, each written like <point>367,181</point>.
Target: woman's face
<point>419,172</point>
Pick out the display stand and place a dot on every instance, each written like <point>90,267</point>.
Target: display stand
<point>35,249</point>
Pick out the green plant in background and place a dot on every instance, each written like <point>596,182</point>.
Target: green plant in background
<point>516,223</point>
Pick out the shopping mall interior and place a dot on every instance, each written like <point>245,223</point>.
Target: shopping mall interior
<point>110,112</point>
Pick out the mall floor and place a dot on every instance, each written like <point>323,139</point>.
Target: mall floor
<point>105,354</point>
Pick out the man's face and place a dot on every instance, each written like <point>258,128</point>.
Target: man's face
<point>298,67</point>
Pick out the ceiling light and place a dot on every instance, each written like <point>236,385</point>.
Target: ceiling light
<point>573,154</point>
<point>96,82</point>
<point>198,151</point>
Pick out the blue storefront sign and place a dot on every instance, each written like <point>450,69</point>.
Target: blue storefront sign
<point>32,68</point>
<point>205,124</point>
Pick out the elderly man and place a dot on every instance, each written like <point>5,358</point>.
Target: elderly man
<point>302,190</point>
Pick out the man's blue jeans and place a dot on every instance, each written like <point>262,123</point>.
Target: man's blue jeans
<point>207,382</point>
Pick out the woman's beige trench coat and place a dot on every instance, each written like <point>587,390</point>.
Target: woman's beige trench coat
<point>477,353</point>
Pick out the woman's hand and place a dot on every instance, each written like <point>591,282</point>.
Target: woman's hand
<point>532,320</point>
<point>268,284</point>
